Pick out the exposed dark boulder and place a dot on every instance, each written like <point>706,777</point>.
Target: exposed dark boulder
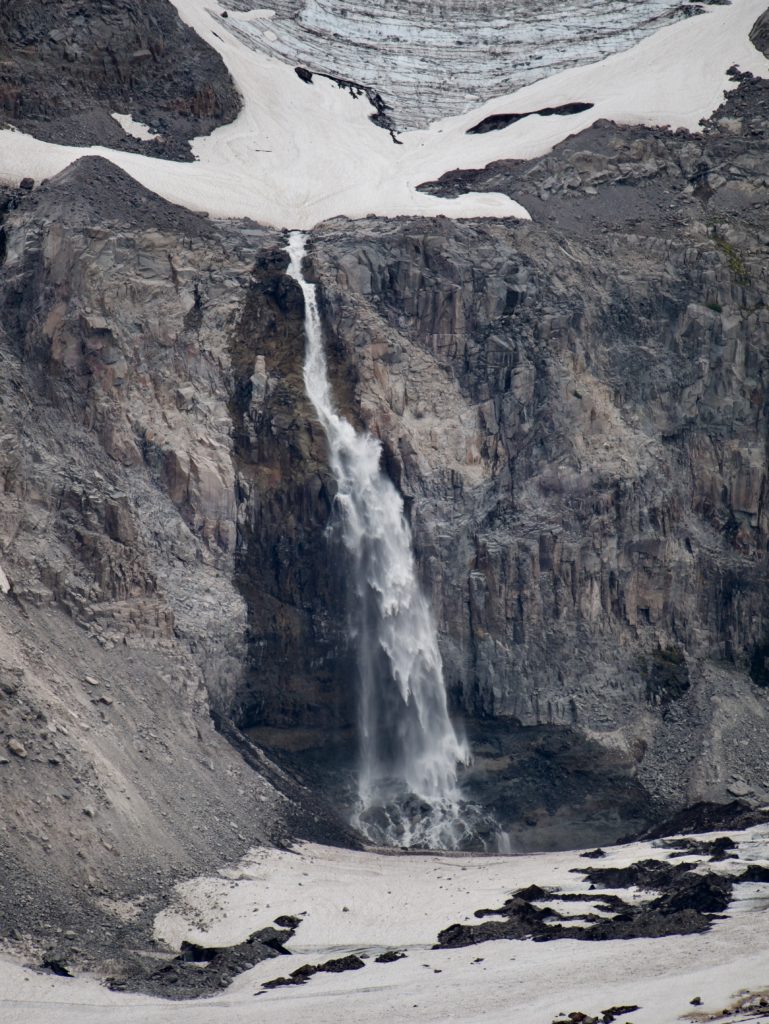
<point>759,34</point>
<point>706,816</point>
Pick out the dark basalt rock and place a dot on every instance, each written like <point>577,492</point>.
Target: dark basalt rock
<point>667,677</point>
<point>605,1016</point>
<point>201,970</point>
<point>754,873</point>
<point>495,122</point>
<point>303,974</point>
<point>88,58</point>
<point>381,117</point>
<point>686,904</point>
<point>705,816</point>
<point>759,34</point>
<point>717,849</point>
<point>55,966</point>
<point>288,921</point>
<point>645,874</point>
<point>389,957</point>
<point>705,894</point>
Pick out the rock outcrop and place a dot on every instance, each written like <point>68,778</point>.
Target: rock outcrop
<point>65,68</point>
<point>123,633</point>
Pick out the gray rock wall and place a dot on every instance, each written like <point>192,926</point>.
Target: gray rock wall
<point>124,635</point>
<point>574,410</point>
<point>576,413</point>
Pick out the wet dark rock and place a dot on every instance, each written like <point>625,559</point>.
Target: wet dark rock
<point>389,957</point>
<point>495,122</point>
<point>202,970</point>
<point>706,816</point>
<point>303,974</point>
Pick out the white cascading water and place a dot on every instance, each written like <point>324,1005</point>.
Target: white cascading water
<point>410,751</point>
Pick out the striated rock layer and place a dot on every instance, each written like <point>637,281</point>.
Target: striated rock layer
<point>431,60</point>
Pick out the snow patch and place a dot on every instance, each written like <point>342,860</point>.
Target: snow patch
<point>366,902</point>
<point>302,153</point>
<point>135,128</point>
<point>5,586</point>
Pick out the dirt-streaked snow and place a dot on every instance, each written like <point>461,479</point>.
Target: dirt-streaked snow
<point>301,153</point>
<point>364,902</point>
<point>432,60</point>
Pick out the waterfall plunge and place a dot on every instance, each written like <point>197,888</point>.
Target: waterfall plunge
<point>407,785</point>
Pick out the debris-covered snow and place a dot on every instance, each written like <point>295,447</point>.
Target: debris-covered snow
<point>301,152</point>
<point>364,903</point>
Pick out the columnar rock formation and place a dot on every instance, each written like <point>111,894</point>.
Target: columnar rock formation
<point>574,409</point>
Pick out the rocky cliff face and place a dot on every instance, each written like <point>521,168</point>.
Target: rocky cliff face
<point>574,410</point>
<point>65,68</point>
<point>124,522</point>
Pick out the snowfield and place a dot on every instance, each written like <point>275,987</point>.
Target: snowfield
<point>369,902</point>
<point>301,153</point>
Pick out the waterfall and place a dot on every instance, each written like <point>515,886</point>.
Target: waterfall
<point>408,793</point>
